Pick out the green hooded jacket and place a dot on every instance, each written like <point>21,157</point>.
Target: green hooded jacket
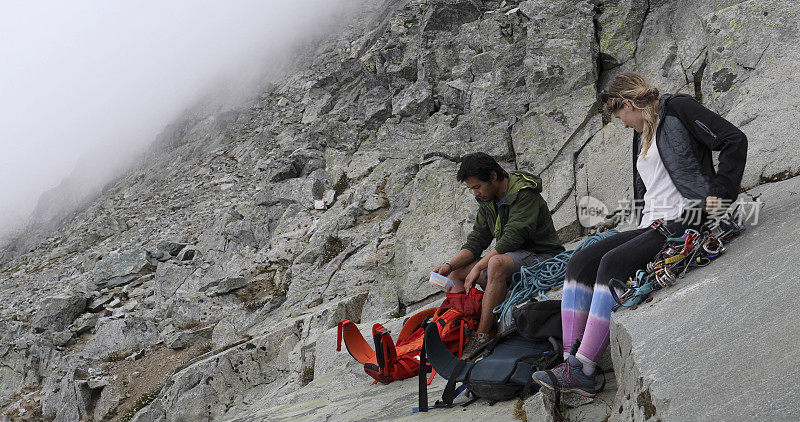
<point>521,222</point>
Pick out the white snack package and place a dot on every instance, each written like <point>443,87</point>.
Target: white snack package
<point>441,281</point>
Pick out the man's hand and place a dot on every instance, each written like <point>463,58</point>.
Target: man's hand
<point>471,279</point>
<point>714,205</point>
<point>444,269</point>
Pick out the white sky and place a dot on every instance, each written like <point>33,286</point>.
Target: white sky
<point>76,75</point>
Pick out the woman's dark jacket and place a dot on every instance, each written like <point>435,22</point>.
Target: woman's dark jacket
<point>687,133</point>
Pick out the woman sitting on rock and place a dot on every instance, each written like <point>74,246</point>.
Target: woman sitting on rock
<point>674,175</point>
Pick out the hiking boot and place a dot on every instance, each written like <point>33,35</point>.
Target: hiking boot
<point>476,341</point>
<point>570,376</point>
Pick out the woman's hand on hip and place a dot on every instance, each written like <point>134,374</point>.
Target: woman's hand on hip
<point>714,205</point>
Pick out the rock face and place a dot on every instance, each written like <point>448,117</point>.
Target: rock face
<point>664,369</point>
<point>245,234</point>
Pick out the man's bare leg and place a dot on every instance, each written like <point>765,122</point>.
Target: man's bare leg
<point>500,267</point>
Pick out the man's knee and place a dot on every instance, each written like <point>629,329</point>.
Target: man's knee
<point>499,268</point>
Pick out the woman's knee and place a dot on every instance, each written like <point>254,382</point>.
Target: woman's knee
<point>579,268</point>
<point>611,266</point>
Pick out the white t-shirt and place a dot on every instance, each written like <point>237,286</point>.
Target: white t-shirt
<point>662,199</point>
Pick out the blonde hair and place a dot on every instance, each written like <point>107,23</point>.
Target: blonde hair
<point>643,96</point>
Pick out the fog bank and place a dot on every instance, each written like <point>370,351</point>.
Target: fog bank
<point>100,80</point>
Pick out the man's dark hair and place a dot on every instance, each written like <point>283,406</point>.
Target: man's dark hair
<point>480,165</point>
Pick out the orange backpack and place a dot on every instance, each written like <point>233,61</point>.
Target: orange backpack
<point>455,320</point>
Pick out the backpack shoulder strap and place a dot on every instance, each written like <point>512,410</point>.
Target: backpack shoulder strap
<point>358,348</point>
<point>414,322</point>
<point>441,359</point>
<point>386,354</point>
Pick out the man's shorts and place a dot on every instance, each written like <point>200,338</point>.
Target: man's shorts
<point>522,258</point>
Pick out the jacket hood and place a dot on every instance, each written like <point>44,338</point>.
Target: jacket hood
<point>662,105</point>
<point>664,100</point>
<point>517,181</point>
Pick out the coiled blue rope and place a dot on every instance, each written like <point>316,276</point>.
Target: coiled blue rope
<point>540,277</point>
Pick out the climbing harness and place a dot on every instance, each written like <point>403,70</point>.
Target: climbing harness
<point>692,249</point>
<point>539,277</point>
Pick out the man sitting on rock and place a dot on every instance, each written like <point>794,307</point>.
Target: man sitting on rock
<point>512,211</point>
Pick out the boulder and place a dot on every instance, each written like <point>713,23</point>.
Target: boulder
<point>448,15</point>
<point>300,190</point>
<point>57,312</point>
<point>118,335</point>
<point>375,202</point>
<point>361,164</point>
<point>185,339</point>
<point>62,337</point>
<point>377,106</point>
<point>282,169</point>
<point>415,100</point>
<point>484,62</point>
<point>117,268</point>
<point>223,285</point>
<point>159,256</point>
<point>748,41</point>
<point>66,398</point>
<point>454,95</point>
<point>188,253</point>
<point>169,276</point>
<point>318,102</point>
<point>171,247</point>
<point>538,408</point>
<point>108,402</point>
<point>328,197</point>
<point>402,68</point>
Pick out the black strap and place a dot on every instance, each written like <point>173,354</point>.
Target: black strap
<point>423,373</point>
<point>602,387</point>
<point>470,401</point>
<point>575,346</point>
<point>556,343</point>
<point>526,390</point>
<point>557,392</point>
<point>612,285</point>
<point>490,345</point>
<point>379,357</point>
<point>449,393</point>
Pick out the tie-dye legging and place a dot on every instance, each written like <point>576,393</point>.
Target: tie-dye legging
<point>586,303</point>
